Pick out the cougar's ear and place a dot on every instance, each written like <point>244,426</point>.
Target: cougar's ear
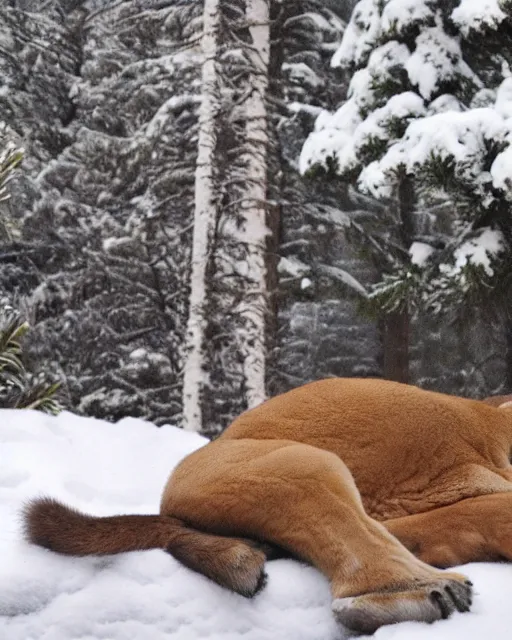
<point>498,401</point>
<point>506,405</point>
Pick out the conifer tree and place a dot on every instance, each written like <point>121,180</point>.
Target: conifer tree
<point>427,129</point>
<point>18,389</point>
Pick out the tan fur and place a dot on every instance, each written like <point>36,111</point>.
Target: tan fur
<point>498,401</point>
<point>368,480</point>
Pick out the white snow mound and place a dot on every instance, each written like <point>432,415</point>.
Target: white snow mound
<point>106,468</point>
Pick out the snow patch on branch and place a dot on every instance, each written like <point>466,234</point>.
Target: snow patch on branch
<point>462,138</point>
<point>170,108</point>
<point>342,276</point>
<point>501,172</point>
<point>504,99</point>
<point>300,73</point>
<point>478,251</point>
<point>333,133</point>
<point>399,15</point>
<point>361,34</point>
<point>379,124</point>
<point>310,109</point>
<point>347,143</point>
<point>437,59</point>
<point>383,66</point>
<point>420,252</point>
<point>292,267</point>
<point>444,103</point>
<point>478,15</point>
<point>338,135</point>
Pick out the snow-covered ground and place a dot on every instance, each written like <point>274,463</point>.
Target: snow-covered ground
<point>121,468</point>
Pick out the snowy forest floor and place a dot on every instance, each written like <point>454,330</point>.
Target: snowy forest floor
<point>106,468</point>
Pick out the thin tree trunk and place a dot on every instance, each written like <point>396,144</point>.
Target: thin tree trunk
<point>395,325</point>
<point>395,338</point>
<point>254,227</point>
<point>195,375</point>
<point>508,352</point>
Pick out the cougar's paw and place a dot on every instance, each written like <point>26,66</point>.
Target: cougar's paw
<point>429,602</point>
<point>231,563</point>
<point>243,570</point>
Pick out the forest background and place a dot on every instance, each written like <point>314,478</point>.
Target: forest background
<point>220,200</point>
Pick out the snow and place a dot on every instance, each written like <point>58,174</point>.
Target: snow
<point>299,107</point>
<point>107,468</point>
<point>501,171</point>
<point>174,104</point>
<point>478,15</point>
<point>376,20</point>
<point>360,136</point>
<point>420,252</point>
<point>451,136</point>
<point>292,267</point>
<point>445,102</point>
<point>479,250</point>
<point>447,134</point>
<point>361,33</point>
<point>306,283</point>
<point>301,73</point>
<point>504,99</point>
<point>399,15</point>
<point>378,125</point>
<point>382,67</point>
<point>437,59</point>
<point>344,134</point>
<point>332,138</point>
<point>342,276</point>
<point>373,21</point>
<point>483,98</point>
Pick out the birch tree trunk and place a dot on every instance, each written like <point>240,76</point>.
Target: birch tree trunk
<point>253,209</point>
<point>195,374</point>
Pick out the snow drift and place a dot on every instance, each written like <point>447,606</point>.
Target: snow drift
<point>105,468</point>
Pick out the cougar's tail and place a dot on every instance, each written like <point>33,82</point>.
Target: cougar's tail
<point>234,563</point>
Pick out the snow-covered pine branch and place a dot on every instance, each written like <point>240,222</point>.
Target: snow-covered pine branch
<point>430,100</point>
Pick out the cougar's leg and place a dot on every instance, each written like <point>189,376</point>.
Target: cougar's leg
<point>304,499</point>
<point>472,530</point>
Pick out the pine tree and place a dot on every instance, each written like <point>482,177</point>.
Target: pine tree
<point>108,111</point>
<point>18,389</point>
<point>427,129</point>
<point>10,158</point>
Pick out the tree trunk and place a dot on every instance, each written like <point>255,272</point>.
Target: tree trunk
<point>395,338</point>
<point>195,374</point>
<point>508,353</point>
<point>254,229</point>
<point>395,325</point>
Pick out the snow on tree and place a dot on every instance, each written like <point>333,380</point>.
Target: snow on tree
<point>10,158</point>
<point>429,106</point>
<point>19,388</point>
<point>105,98</point>
<point>98,92</point>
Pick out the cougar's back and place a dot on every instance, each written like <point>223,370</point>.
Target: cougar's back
<point>408,449</point>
